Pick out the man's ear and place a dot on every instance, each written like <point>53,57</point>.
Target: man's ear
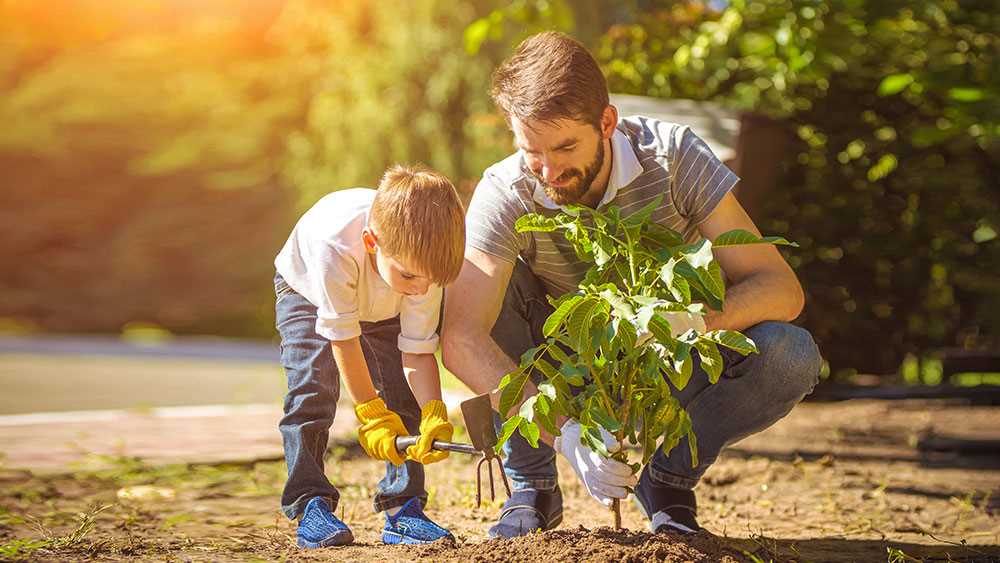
<point>609,121</point>
<point>369,240</point>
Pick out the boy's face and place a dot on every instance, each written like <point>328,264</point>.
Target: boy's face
<point>401,277</point>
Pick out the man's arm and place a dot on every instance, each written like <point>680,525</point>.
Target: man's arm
<point>471,307</point>
<point>763,286</point>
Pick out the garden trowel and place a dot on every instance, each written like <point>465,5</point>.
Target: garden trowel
<point>478,415</point>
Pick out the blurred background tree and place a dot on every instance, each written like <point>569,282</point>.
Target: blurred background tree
<point>155,155</point>
<point>891,181</point>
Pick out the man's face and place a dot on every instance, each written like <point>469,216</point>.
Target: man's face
<point>564,155</point>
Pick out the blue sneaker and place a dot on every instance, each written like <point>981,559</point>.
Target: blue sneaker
<point>411,525</point>
<point>320,528</point>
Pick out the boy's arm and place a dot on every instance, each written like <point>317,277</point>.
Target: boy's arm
<point>379,426</point>
<point>354,369</point>
<point>423,377</point>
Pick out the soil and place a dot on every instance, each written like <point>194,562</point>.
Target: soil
<point>832,482</point>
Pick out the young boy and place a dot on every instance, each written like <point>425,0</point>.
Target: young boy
<point>358,295</point>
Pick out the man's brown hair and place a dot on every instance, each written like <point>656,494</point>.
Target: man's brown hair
<point>418,218</point>
<point>551,76</point>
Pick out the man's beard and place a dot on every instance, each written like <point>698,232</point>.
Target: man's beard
<point>573,192</point>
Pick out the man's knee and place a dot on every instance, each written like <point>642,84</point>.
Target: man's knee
<point>790,356</point>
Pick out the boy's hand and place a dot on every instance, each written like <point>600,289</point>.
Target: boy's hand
<point>434,425</point>
<point>379,429</point>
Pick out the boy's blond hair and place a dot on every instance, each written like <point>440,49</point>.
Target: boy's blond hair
<point>419,219</point>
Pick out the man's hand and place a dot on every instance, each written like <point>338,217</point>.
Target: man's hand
<point>605,479</point>
<point>379,429</point>
<point>434,425</point>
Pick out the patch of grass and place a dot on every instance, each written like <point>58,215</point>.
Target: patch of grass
<point>23,547</point>
<point>8,518</point>
<point>231,479</point>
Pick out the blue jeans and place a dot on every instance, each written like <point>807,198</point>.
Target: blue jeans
<point>754,392</point>
<point>311,403</point>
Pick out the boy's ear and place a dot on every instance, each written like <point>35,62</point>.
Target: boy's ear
<point>368,238</point>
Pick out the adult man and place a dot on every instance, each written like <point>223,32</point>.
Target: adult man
<point>573,148</point>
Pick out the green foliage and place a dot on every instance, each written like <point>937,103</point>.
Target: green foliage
<point>155,157</point>
<point>610,350</point>
<point>894,112</point>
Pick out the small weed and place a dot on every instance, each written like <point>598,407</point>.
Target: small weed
<point>769,545</point>
<point>171,521</point>
<point>896,555</point>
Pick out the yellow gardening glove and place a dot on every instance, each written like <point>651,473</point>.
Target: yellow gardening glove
<point>434,425</point>
<point>379,429</point>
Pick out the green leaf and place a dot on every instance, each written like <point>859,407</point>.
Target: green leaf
<point>625,335</point>
<point>558,354</point>
<point>580,320</point>
<point>711,279</point>
<point>508,428</point>
<point>660,329</point>
<point>572,374</point>
<point>555,320</point>
<point>591,436</point>
<point>894,84</point>
<point>548,389</point>
<point>511,393</point>
<point>966,94</point>
<point>475,34</point>
<point>676,284</point>
<point>732,340</point>
<point>547,369</point>
<point>603,249</point>
<point>530,432</point>
<point>527,410</point>
<point>545,415</point>
<point>662,237</point>
<point>740,237</point>
<point>619,304</point>
<point>643,317</point>
<point>700,254</point>
<point>682,364</point>
<point>601,416</point>
<point>641,217</point>
<point>680,289</point>
<point>693,446</point>
<point>711,359</point>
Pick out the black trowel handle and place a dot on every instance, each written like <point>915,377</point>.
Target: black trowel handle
<point>404,442</point>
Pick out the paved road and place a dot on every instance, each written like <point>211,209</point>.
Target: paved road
<point>201,348</point>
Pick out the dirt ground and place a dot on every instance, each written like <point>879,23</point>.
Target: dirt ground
<point>832,482</point>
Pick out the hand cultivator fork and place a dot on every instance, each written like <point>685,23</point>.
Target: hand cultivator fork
<point>478,415</point>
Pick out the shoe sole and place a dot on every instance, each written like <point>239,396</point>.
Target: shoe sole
<point>556,520</point>
<point>395,538</point>
<point>338,539</point>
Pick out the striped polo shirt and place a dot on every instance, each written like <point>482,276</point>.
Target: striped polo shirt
<point>649,158</point>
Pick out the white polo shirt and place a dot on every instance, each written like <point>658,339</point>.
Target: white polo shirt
<point>325,261</point>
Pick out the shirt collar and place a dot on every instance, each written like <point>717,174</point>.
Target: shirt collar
<point>625,168</point>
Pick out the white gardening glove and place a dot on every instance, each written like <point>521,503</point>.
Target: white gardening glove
<point>605,479</point>
<point>680,322</point>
